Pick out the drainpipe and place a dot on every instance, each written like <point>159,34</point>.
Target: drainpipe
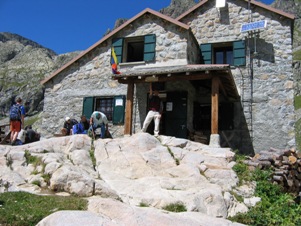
<point>251,69</point>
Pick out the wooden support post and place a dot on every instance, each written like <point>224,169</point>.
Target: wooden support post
<point>214,105</point>
<point>129,109</point>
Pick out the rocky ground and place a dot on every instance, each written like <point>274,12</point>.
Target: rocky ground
<point>119,175</point>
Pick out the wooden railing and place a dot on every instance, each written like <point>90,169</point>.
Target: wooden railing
<point>4,134</point>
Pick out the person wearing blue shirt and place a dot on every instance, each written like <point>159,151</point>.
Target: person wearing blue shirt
<point>17,124</point>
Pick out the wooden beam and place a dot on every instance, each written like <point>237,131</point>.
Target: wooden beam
<point>214,105</point>
<point>129,109</point>
<point>166,78</point>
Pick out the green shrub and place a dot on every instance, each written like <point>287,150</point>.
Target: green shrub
<point>276,207</point>
<point>46,178</point>
<point>31,159</point>
<point>37,182</point>
<point>241,169</point>
<point>175,207</point>
<point>142,204</point>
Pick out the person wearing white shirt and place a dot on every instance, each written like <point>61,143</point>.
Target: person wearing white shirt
<point>99,120</point>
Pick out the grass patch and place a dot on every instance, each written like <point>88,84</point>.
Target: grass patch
<point>297,102</point>
<point>297,55</point>
<point>36,182</point>
<point>9,162</point>
<point>24,209</point>
<point>175,207</point>
<point>34,160</point>
<point>142,204</point>
<point>177,161</point>
<point>298,134</point>
<point>93,159</point>
<point>46,178</point>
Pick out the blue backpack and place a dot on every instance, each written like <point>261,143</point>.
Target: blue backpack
<point>78,129</point>
<point>15,113</point>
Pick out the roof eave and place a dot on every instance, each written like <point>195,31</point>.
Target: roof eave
<point>262,5</point>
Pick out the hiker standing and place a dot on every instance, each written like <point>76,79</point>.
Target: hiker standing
<point>99,120</point>
<point>155,110</point>
<point>16,120</point>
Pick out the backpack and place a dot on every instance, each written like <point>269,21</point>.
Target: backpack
<point>15,113</point>
<point>78,129</point>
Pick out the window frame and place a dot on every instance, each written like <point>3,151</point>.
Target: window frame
<point>127,42</point>
<point>239,52</point>
<point>116,116</point>
<point>121,46</point>
<point>99,106</point>
<point>224,49</point>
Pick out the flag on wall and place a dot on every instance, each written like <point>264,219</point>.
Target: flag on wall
<point>114,62</point>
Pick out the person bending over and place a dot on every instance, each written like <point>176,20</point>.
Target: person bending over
<point>99,120</point>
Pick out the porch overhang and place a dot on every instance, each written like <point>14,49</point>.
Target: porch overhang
<point>185,72</point>
<point>220,76</point>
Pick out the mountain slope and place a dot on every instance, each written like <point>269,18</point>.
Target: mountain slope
<point>23,64</point>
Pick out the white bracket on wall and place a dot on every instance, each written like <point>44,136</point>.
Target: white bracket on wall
<point>220,4</point>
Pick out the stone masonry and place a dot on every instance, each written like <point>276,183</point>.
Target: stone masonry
<point>266,83</point>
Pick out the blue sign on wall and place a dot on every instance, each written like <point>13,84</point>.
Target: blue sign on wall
<point>253,26</point>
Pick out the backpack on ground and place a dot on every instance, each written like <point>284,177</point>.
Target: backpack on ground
<point>78,129</point>
<point>15,113</point>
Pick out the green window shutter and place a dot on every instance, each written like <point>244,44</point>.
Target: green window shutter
<point>118,47</point>
<point>206,52</point>
<point>239,53</point>
<point>88,107</point>
<point>149,47</point>
<point>119,108</point>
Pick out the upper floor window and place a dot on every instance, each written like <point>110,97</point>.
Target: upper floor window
<point>232,53</point>
<point>135,49</point>
<point>223,55</point>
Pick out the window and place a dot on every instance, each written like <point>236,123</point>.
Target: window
<point>113,107</point>
<point>135,49</point>
<point>223,55</point>
<point>232,53</point>
<point>105,105</point>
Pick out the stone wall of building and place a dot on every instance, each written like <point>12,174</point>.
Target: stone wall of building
<point>91,75</point>
<point>265,84</point>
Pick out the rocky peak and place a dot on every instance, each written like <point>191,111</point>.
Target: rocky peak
<point>177,7</point>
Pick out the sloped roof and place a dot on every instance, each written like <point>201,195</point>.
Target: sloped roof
<point>127,23</point>
<point>253,2</point>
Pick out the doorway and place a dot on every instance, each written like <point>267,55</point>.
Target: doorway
<point>175,115</point>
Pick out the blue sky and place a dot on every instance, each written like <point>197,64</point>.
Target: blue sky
<point>69,25</point>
